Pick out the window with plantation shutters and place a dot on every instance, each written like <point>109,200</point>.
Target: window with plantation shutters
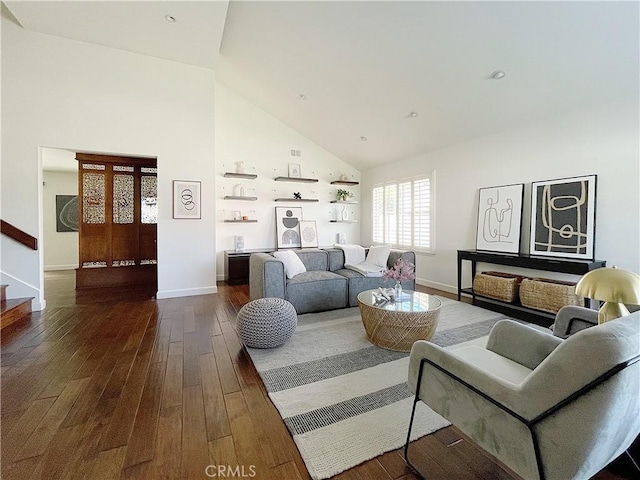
<point>402,213</point>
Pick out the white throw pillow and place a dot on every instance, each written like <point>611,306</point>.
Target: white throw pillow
<point>292,263</point>
<point>378,255</point>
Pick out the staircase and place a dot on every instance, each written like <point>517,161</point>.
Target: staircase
<point>14,309</point>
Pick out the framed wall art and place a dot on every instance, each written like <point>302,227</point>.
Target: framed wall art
<point>563,217</point>
<point>294,170</point>
<point>186,199</point>
<point>66,213</point>
<point>288,226</point>
<point>308,234</point>
<point>500,218</point>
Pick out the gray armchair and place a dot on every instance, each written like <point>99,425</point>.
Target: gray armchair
<point>547,408</point>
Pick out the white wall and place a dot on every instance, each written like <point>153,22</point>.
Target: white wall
<point>246,133</point>
<point>602,141</point>
<point>60,248</point>
<point>67,94</point>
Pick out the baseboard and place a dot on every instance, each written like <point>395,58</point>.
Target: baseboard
<point>53,268</point>
<point>38,306</point>
<point>187,292</point>
<point>220,277</point>
<point>438,286</point>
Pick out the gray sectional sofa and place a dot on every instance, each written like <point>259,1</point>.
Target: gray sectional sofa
<point>326,285</point>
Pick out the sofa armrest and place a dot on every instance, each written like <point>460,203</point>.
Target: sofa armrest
<point>524,345</point>
<point>572,319</point>
<point>266,277</point>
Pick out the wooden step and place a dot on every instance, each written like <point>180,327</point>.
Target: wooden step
<point>13,310</point>
<point>3,292</point>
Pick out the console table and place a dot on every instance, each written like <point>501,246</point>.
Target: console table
<point>236,265</point>
<point>549,264</point>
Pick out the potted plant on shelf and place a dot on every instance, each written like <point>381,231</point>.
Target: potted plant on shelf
<point>343,195</point>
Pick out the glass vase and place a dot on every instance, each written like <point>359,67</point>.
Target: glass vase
<point>397,291</point>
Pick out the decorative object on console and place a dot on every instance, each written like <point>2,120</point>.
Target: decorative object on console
<point>308,233</point>
<point>294,170</point>
<point>342,238</point>
<point>343,195</point>
<point>498,285</point>
<point>500,218</point>
<point>288,226</point>
<point>548,295</point>
<point>615,287</point>
<point>563,217</point>
<point>186,199</point>
<point>401,271</point>
<point>238,241</point>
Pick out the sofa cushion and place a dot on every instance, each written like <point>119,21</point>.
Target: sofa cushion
<point>292,263</point>
<point>315,291</point>
<point>314,259</point>
<point>359,283</point>
<point>378,255</point>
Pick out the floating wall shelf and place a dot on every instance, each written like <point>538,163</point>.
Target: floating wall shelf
<point>344,182</point>
<point>248,176</point>
<point>238,197</point>
<point>240,221</point>
<point>342,201</point>
<point>297,200</point>
<point>296,179</point>
<point>343,221</point>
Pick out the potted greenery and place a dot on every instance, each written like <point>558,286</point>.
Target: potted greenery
<point>343,195</point>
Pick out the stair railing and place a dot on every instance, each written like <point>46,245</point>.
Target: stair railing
<point>18,235</point>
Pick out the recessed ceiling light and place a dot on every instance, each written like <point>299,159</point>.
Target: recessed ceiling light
<point>170,18</point>
<point>497,75</point>
<point>302,96</point>
<point>363,138</point>
<point>412,114</point>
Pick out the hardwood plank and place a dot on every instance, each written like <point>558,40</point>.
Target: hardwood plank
<point>63,444</point>
<point>168,453</point>
<point>143,437</point>
<point>214,407</point>
<point>190,366</point>
<point>108,464</point>
<point>222,451</point>
<point>226,371</point>
<point>15,438</point>
<point>26,469</point>
<point>46,429</point>
<point>172,389</point>
<point>195,451</point>
<point>189,320</point>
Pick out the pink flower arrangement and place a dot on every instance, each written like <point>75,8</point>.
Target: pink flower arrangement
<point>401,271</point>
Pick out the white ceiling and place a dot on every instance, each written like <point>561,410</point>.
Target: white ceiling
<point>364,66</point>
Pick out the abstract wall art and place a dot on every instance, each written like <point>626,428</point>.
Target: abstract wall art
<point>288,226</point>
<point>308,234</point>
<point>66,213</point>
<point>186,199</point>
<point>563,217</point>
<point>500,218</point>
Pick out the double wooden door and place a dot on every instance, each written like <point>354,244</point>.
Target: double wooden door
<point>118,216</point>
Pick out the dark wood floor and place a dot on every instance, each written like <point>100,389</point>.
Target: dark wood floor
<point>108,385</point>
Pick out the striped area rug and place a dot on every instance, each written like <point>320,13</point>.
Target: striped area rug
<point>346,401</point>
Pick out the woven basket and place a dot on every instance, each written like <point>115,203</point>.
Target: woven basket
<point>498,285</point>
<point>548,295</point>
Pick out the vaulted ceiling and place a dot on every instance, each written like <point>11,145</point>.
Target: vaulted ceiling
<point>348,75</point>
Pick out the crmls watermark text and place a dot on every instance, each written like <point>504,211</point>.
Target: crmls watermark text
<point>230,471</point>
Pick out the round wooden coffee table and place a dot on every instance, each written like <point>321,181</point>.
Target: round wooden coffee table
<point>397,325</point>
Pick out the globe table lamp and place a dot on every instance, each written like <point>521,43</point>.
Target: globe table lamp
<point>615,287</point>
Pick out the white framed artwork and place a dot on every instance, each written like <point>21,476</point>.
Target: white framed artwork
<point>500,218</point>
<point>308,234</point>
<point>186,199</point>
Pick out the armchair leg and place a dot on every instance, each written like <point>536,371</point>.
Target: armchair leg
<point>635,464</point>
<point>413,413</point>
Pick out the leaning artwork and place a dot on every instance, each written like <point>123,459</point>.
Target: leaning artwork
<point>499,218</point>
<point>288,226</point>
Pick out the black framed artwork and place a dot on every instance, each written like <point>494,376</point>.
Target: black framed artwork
<point>563,217</point>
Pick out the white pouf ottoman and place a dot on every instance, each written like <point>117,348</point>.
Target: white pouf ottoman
<point>266,322</point>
